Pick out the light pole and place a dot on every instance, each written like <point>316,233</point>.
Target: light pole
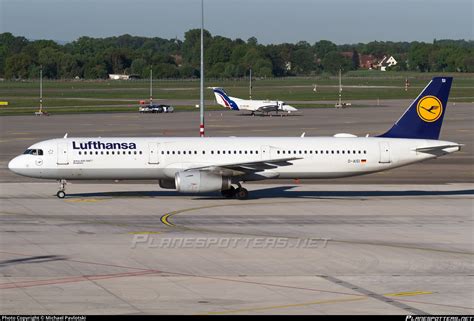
<point>250,85</point>
<point>151,86</point>
<point>201,103</point>
<point>41,91</point>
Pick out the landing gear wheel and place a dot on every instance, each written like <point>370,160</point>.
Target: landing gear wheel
<point>62,187</point>
<point>241,193</point>
<point>229,193</point>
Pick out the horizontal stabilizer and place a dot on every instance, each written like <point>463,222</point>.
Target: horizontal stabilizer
<point>438,149</point>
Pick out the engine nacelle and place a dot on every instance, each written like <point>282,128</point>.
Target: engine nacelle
<point>200,182</point>
<point>167,183</point>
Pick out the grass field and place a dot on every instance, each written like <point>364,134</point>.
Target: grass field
<point>111,96</point>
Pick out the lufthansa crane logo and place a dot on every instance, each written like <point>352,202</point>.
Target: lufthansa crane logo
<point>429,109</point>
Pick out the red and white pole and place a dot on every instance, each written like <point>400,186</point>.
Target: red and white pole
<point>201,103</point>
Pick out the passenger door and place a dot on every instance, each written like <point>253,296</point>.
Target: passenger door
<point>384,148</point>
<point>62,158</point>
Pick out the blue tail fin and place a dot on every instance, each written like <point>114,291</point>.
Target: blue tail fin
<point>424,117</point>
<point>223,99</point>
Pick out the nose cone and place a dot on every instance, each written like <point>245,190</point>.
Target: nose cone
<point>290,108</point>
<point>15,165</point>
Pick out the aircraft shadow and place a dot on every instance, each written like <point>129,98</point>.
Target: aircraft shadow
<point>280,192</point>
<point>33,259</point>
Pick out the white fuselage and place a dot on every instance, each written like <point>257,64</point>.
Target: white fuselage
<point>161,158</point>
<point>260,105</point>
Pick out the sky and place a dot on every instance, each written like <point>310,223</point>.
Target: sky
<point>270,21</point>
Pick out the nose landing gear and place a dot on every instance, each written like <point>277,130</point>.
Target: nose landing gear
<point>62,189</point>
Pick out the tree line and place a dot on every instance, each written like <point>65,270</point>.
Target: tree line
<point>95,58</point>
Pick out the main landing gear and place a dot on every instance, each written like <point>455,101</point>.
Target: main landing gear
<point>239,192</point>
<point>62,189</point>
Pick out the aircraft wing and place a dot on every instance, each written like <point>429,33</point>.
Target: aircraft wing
<point>267,108</point>
<point>237,169</point>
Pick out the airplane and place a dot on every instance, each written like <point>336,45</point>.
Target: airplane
<point>216,164</point>
<point>262,106</point>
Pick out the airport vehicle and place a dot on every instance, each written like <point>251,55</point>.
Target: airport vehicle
<point>197,165</point>
<point>156,109</point>
<point>254,106</point>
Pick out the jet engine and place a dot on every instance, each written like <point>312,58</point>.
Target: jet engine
<point>200,182</point>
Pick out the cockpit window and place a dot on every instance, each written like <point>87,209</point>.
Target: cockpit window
<point>34,152</point>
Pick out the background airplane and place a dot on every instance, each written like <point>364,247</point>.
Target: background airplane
<point>262,106</point>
